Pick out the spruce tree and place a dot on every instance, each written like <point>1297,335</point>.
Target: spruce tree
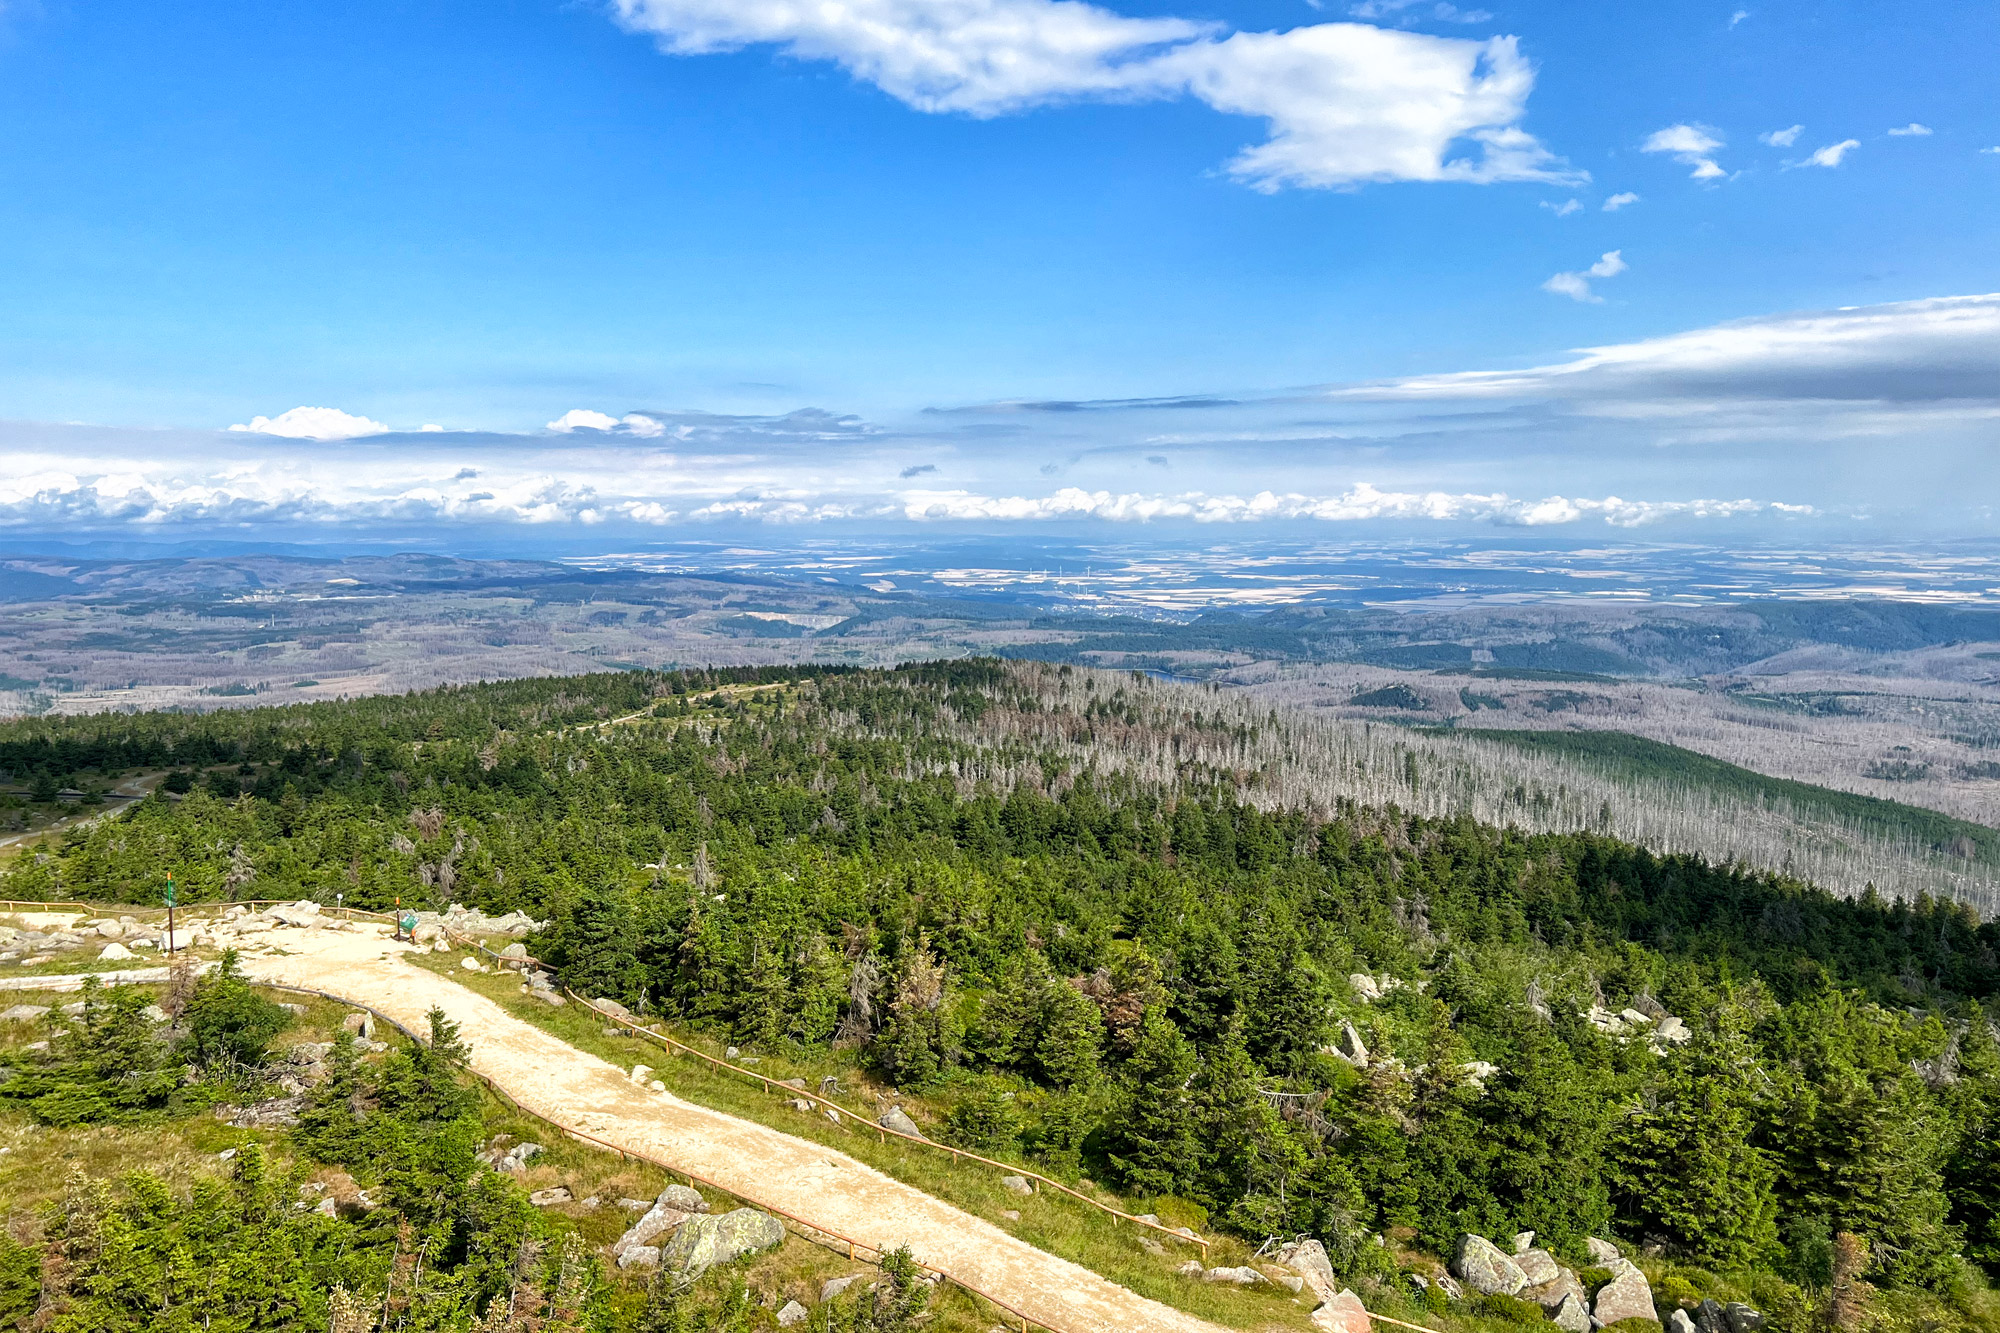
<point>1153,1143</point>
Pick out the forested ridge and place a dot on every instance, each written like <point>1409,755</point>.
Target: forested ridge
<point>1140,980</point>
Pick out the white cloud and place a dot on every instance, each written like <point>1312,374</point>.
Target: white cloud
<point>1563,209</point>
<point>1346,103</point>
<point>314,423</point>
<point>1994,149</point>
<point>1576,286</point>
<point>1830,155</point>
<point>1407,11</point>
<point>1618,201</point>
<point>1784,138</point>
<point>1738,17</point>
<point>1691,145</point>
<point>1907,354</point>
<point>1362,502</point>
<point>430,429</point>
<point>1911,131</point>
<point>582,418</point>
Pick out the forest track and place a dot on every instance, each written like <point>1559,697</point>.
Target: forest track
<point>762,1165</point>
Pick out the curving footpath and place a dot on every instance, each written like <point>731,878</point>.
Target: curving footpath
<point>581,1092</point>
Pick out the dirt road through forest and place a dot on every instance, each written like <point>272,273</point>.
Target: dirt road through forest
<point>760,1164</point>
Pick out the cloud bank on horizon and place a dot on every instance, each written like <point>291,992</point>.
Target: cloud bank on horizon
<point>1734,422</point>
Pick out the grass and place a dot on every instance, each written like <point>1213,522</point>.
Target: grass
<point>1050,1221</point>
<point>1635,756</point>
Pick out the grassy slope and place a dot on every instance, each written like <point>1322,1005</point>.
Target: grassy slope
<point>1631,756</point>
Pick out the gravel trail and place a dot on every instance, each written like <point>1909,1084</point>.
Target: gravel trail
<point>839,1193</point>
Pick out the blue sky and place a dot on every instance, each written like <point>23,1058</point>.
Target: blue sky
<point>682,221</point>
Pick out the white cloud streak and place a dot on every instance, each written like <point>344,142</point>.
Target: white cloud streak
<point>1911,131</point>
<point>1691,146</point>
<point>1345,103</point>
<point>1784,138</point>
<point>1618,201</point>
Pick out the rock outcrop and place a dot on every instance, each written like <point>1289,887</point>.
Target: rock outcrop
<point>1570,1316</point>
<point>895,1119</point>
<point>1627,1296</point>
<point>1480,1265</point>
<point>703,1242</point>
<point>1343,1314</point>
<point>1308,1259</point>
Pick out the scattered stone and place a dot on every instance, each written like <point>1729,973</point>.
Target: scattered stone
<point>549,997</point>
<point>23,1013</point>
<point>327,1207</point>
<point>1308,1259</point>
<point>110,930</point>
<point>1627,1296</point>
<point>1146,1243</point>
<point>640,1256</point>
<point>639,1072</point>
<point>302,913</point>
<point>1633,1018</point>
<point>634,1205</point>
<point>277,1113</point>
<point>115,953</point>
<point>1570,1316</point>
<point>686,1198</point>
<point>515,1162</point>
<point>1679,1322</point>
<point>1364,987</point>
<point>548,1197</point>
<point>1242,1277</point>
<point>1602,1252</point>
<point>1708,1317</point>
<point>440,945</point>
<point>730,1052</point>
<point>1291,1282</point>
<point>792,1313</point>
<point>1343,1314</point>
<point>1672,1030</point>
<point>703,1242</point>
<point>1523,1241</point>
<point>833,1286</point>
<point>1192,1268</point>
<point>895,1119</point>
<point>1742,1318</point>
<point>1350,1047</point>
<point>1014,1215</point>
<point>658,1221</point>
<point>1480,1265</point>
<point>515,950</point>
<point>361,1025</point>
<point>1020,1185</point>
<point>471,964</point>
<point>656,1086</point>
<point>226,1155</point>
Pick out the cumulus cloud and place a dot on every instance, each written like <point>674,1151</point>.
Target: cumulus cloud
<point>582,418</point>
<point>1563,209</point>
<point>1829,156</point>
<point>1576,286</point>
<point>1784,138</point>
<point>1738,17</point>
<point>1618,201</point>
<point>1691,145</point>
<point>1345,103</point>
<point>1911,131</point>
<point>1411,11</point>
<point>314,423</point>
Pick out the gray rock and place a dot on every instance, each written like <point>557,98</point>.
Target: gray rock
<point>1627,1296</point>
<point>1343,1314</point>
<point>1709,1318</point>
<point>1479,1264</point>
<point>23,1013</point>
<point>1242,1277</point>
<point>1018,1185</point>
<point>1192,1268</point>
<point>1350,1047</point>
<point>612,1007</point>
<point>1602,1252</point>
<point>1549,1295</point>
<point>703,1242</point>
<point>894,1119</point>
<point>74,1009</point>
<point>296,914</point>
<point>833,1286</point>
<point>1742,1318</point>
<point>1678,1322</point>
<point>546,1198</point>
<point>1308,1259</point>
<point>683,1197</point>
<point>658,1221</point>
<point>361,1025</point>
<point>1539,1266</point>
<point>792,1313</point>
<point>1291,1282</point>
<point>640,1256</point>
<point>152,1013</point>
<point>1364,987</point>
<point>515,950</point>
<point>1673,1030</point>
<point>1570,1316</point>
<point>1523,1240</point>
<point>549,998</point>
<point>634,1205</point>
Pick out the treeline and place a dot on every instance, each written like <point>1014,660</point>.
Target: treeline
<point>1141,980</point>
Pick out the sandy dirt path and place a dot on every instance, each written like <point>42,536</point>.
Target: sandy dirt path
<point>760,1164</point>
